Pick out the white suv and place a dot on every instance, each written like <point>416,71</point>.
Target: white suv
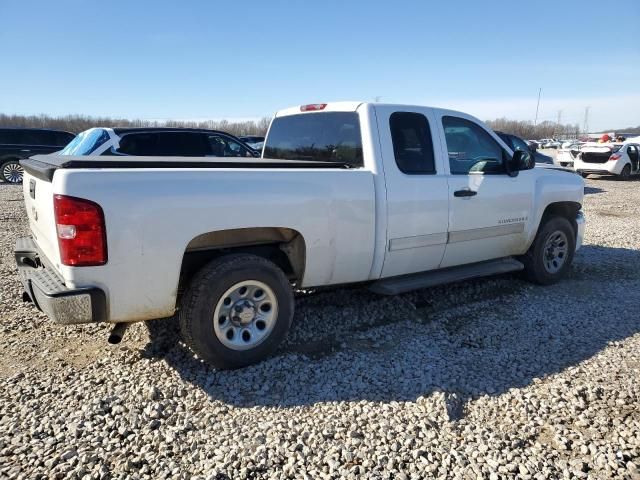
<point>618,159</point>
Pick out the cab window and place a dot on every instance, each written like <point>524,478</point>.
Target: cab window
<point>471,148</point>
<point>519,144</point>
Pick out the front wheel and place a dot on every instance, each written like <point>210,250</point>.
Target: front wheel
<point>551,253</point>
<point>12,172</point>
<point>236,311</point>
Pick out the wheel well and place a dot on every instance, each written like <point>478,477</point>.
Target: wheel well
<point>9,159</point>
<point>568,210</point>
<point>283,246</point>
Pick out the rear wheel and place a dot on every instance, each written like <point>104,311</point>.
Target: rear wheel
<point>584,175</point>
<point>12,172</point>
<point>551,253</point>
<point>625,174</point>
<point>236,311</point>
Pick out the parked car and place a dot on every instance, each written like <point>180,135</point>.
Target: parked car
<point>608,159</point>
<point>569,143</point>
<point>566,155</point>
<point>160,142</point>
<point>533,144</point>
<point>19,143</point>
<point>516,143</point>
<point>398,197</point>
<point>254,141</point>
<point>552,144</point>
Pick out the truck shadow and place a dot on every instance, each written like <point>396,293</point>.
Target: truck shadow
<point>592,190</point>
<point>465,340</point>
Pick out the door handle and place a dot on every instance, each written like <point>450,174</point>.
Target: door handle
<point>464,193</point>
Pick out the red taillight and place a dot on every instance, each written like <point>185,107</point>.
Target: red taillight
<point>312,107</point>
<point>614,157</point>
<point>82,236</point>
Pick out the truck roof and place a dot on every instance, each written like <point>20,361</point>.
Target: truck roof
<point>352,106</point>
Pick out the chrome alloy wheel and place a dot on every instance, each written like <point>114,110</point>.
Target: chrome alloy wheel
<point>12,172</point>
<point>556,251</point>
<point>245,315</point>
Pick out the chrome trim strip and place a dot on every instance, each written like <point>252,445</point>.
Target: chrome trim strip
<point>433,239</point>
<point>417,241</point>
<point>485,232</point>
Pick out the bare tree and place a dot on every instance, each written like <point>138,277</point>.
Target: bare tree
<point>78,123</point>
<point>528,130</point>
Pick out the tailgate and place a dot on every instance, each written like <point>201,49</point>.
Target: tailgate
<point>38,200</point>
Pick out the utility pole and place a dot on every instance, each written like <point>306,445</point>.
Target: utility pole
<point>558,124</point>
<point>535,122</point>
<point>586,120</point>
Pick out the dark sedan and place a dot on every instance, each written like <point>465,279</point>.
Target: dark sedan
<point>516,143</point>
<point>19,143</point>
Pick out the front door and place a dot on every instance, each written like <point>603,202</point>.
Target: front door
<point>488,209</point>
<point>416,190</point>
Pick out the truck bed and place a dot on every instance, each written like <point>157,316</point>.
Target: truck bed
<point>44,166</point>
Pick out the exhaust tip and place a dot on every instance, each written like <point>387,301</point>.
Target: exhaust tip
<point>117,333</point>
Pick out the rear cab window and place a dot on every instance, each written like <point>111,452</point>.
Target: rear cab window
<point>319,136</point>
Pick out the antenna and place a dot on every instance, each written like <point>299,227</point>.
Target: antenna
<point>535,122</point>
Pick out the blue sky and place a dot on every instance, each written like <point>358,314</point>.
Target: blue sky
<point>207,59</point>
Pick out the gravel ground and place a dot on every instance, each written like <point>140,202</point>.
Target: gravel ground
<point>492,378</point>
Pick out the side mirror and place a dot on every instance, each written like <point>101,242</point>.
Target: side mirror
<point>521,160</point>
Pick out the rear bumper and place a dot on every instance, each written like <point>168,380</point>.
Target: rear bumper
<point>608,168</point>
<point>46,289</point>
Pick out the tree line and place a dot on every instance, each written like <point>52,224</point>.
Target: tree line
<point>529,131</point>
<point>78,123</point>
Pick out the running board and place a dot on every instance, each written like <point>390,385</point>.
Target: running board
<point>414,281</point>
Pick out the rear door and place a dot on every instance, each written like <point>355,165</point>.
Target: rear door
<point>488,209</point>
<point>417,192</point>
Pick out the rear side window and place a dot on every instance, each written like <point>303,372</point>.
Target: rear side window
<point>10,137</point>
<point>412,143</point>
<point>325,136</point>
<point>471,148</point>
<point>165,144</point>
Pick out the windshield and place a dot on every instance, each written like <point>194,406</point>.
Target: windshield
<point>86,142</point>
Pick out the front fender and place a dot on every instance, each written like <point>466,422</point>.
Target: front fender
<point>558,192</point>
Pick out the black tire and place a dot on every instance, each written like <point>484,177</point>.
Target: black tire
<point>584,175</point>
<point>11,171</point>
<point>534,260</point>
<point>206,291</point>
<point>625,174</point>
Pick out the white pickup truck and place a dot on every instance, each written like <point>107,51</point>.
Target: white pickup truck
<point>398,197</point>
